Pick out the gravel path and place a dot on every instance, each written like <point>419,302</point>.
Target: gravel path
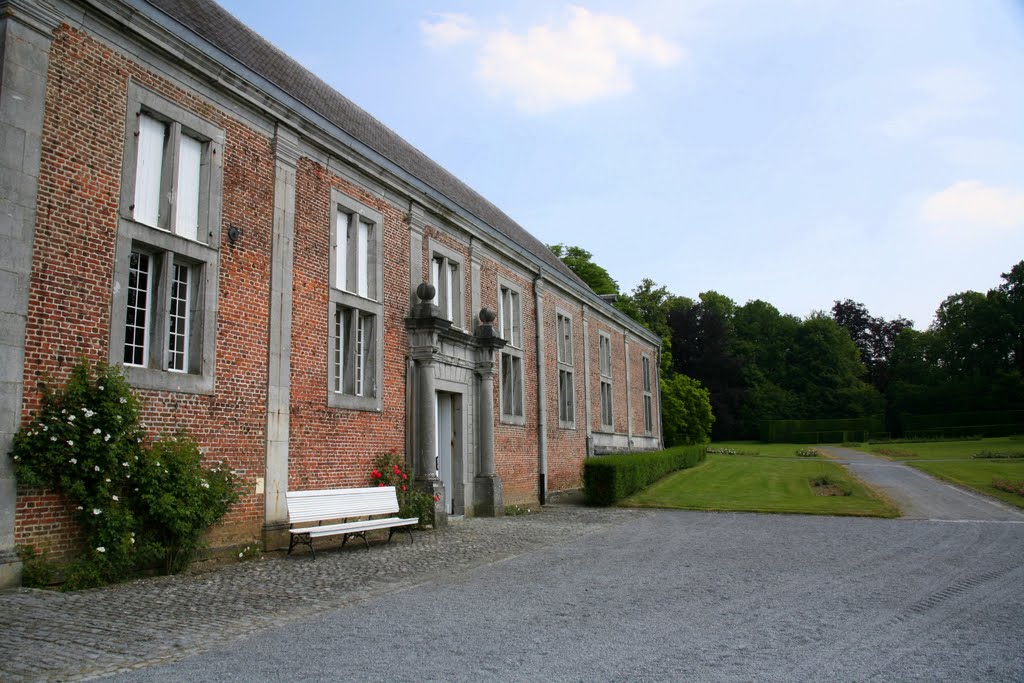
<point>677,595</point>
<point>573,593</point>
<point>921,496</point>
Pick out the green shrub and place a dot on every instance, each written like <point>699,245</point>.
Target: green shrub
<point>832,485</point>
<point>36,570</point>
<point>807,453</point>
<point>998,455</point>
<point>611,478</point>
<point>389,470</point>
<point>178,500</point>
<point>685,411</point>
<point>135,505</point>
<point>1009,486</point>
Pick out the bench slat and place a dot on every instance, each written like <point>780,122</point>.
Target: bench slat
<point>324,505</point>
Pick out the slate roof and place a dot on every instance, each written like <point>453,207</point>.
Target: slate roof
<point>229,35</point>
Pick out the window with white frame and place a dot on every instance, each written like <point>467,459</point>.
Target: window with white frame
<point>355,352</point>
<point>510,327</point>
<point>645,363</point>
<point>446,276</point>
<point>606,380</point>
<point>165,274</point>
<point>566,371</point>
<point>172,167</point>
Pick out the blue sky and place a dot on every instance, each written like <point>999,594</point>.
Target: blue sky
<point>795,151</point>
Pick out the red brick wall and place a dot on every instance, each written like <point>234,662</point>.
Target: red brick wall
<point>516,447</point>
<point>619,416</point>
<point>567,448</point>
<point>47,523</point>
<point>334,447</point>
<point>638,349</point>
<point>71,285</point>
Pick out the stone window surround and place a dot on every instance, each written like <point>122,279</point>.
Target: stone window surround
<point>646,385</point>
<point>436,249</point>
<point>204,258</point>
<point>565,366</point>
<point>514,352</point>
<point>341,202</point>
<point>606,379</point>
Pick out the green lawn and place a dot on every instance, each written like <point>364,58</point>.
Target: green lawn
<point>770,483</point>
<point>978,475</point>
<point>756,449</point>
<point>943,450</point>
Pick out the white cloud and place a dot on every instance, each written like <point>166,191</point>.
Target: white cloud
<point>591,57</point>
<point>972,205</point>
<point>447,30</point>
<point>942,96</point>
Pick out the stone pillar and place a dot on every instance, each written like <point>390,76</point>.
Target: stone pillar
<point>488,500</point>
<point>424,326</point>
<point>275,521</point>
<point>26,33</point>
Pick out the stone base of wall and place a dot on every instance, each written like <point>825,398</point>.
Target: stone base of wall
<point>10,569</point>
<point>488,500</point>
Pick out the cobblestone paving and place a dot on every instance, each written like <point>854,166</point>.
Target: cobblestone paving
<point>47,635</point>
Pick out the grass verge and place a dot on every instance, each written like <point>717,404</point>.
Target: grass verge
<point>978,475</point>
<point>943,450</point>
<point>778,483</point>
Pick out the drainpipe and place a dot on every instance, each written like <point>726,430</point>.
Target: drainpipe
<point>542,396</point>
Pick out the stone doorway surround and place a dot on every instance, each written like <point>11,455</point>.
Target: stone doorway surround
<point>450,360</point>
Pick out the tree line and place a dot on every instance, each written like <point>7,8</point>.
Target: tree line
<point>755,363</point>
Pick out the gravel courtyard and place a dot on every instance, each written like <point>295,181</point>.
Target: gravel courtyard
<point>569,593</point>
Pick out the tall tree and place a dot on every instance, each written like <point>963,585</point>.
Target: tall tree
<point>1013,289</point>
<point>581,262</point>
<point>702,347</point>
<point>874,337</point>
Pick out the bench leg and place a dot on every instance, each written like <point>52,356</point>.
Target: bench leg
<point>362,534</point>
<point>391,532</point>
<point>304,539</point>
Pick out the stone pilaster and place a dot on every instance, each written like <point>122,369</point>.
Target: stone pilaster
<point>424,326</point>
<point>487,492</point>
<point>26,33</point>
<point>275,521</point>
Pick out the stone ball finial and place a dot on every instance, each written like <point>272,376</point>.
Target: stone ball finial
<point>487,316</point>
<point>425,291</point>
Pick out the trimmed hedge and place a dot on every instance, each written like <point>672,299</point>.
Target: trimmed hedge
<point>821,431</point>
<point>610,478</point>
<point>988,423</point>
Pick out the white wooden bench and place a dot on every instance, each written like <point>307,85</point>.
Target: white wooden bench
<point>331,505</point>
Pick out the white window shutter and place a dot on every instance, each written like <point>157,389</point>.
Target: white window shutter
<point>148,169</point>
<point>450,280</point>
<point>435,277</point>
<point>362,257</point>
<point>190,157</point>
<point>341,252</point>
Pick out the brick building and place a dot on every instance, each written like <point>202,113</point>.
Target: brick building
<point>282,275</point>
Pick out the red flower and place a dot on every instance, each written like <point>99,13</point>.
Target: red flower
<point>436,498</point>
<point>397,470</point>
<point>403,487</point>
<point>393,451</point>
<point>404,475</point>
<point>376,475</point>
<point>380,484</point>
